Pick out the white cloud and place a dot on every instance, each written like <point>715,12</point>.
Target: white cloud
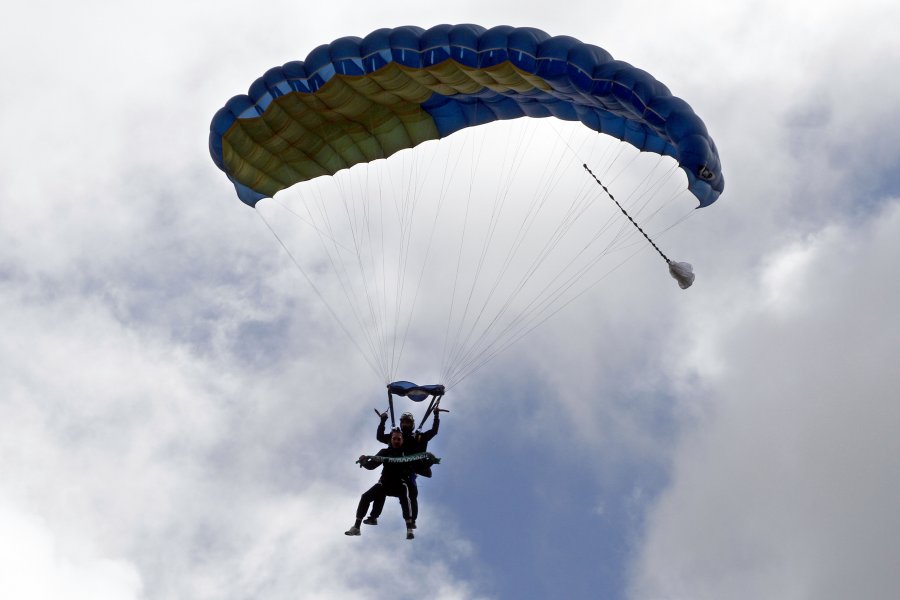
<point>204,482</point>
<point>40,565</point>
<point>783,279</point>
<point>788,488</point>
<point>167,388</point>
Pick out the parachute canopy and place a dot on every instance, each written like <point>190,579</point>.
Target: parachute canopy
<point>360,99</point>
<point>444,255</point>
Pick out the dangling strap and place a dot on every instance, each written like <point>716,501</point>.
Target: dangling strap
<point>682,272</point>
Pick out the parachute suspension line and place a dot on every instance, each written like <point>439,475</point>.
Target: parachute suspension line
<point>357,224</point>
<point>649,196</point>
<point>649,188</point>
<point>509,172</point>
<point>651,191</point>
<point>327,241</point>
<point>527,328</point>
<point>544,301</point>
<point>406,215</point>
<point>624,212</point>
<point>677,223</point>
<point>382,254</point>
<point>624,234</point>
<point>568,283</point>
<point>510,167</point>
<point>607,160</point>
<point>655,189</point>
<point>445,350</point>
<point>449,347</point>
<point>501,197</point>
<point>481,347</point>
<point>377,283</point>
<point>496,209</point>
<point>376,278</point>
<point>624,167</point>
<point>340,268</point>
<point>311,224</point>
<point>343,273</point>
<point>557,294</point>
<point>382,324</point>
<point>534,317</point>
<point>524,323</point>
<point>318,292</point>
<point>400,201</point>
<point>481,351</point>
<point>442,196</point>
<point>545,297</point>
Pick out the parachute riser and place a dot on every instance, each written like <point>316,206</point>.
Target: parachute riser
<point>436,392</point>
<point>391,409</point>
<point>428,411</point>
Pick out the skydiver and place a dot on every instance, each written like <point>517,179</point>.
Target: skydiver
<point>395,480</point>
<point>413,442</point>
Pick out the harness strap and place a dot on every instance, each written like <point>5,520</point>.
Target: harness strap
<point>391,408</point>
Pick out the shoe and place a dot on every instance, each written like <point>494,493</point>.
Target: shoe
<point>352,531</point>
<point>371,521</point>
<point>409,534</point>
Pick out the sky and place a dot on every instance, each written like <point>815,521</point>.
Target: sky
<point>179,417</point>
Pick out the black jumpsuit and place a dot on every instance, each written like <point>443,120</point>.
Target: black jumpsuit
<point>395,480</point>
<point>413,443</point>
